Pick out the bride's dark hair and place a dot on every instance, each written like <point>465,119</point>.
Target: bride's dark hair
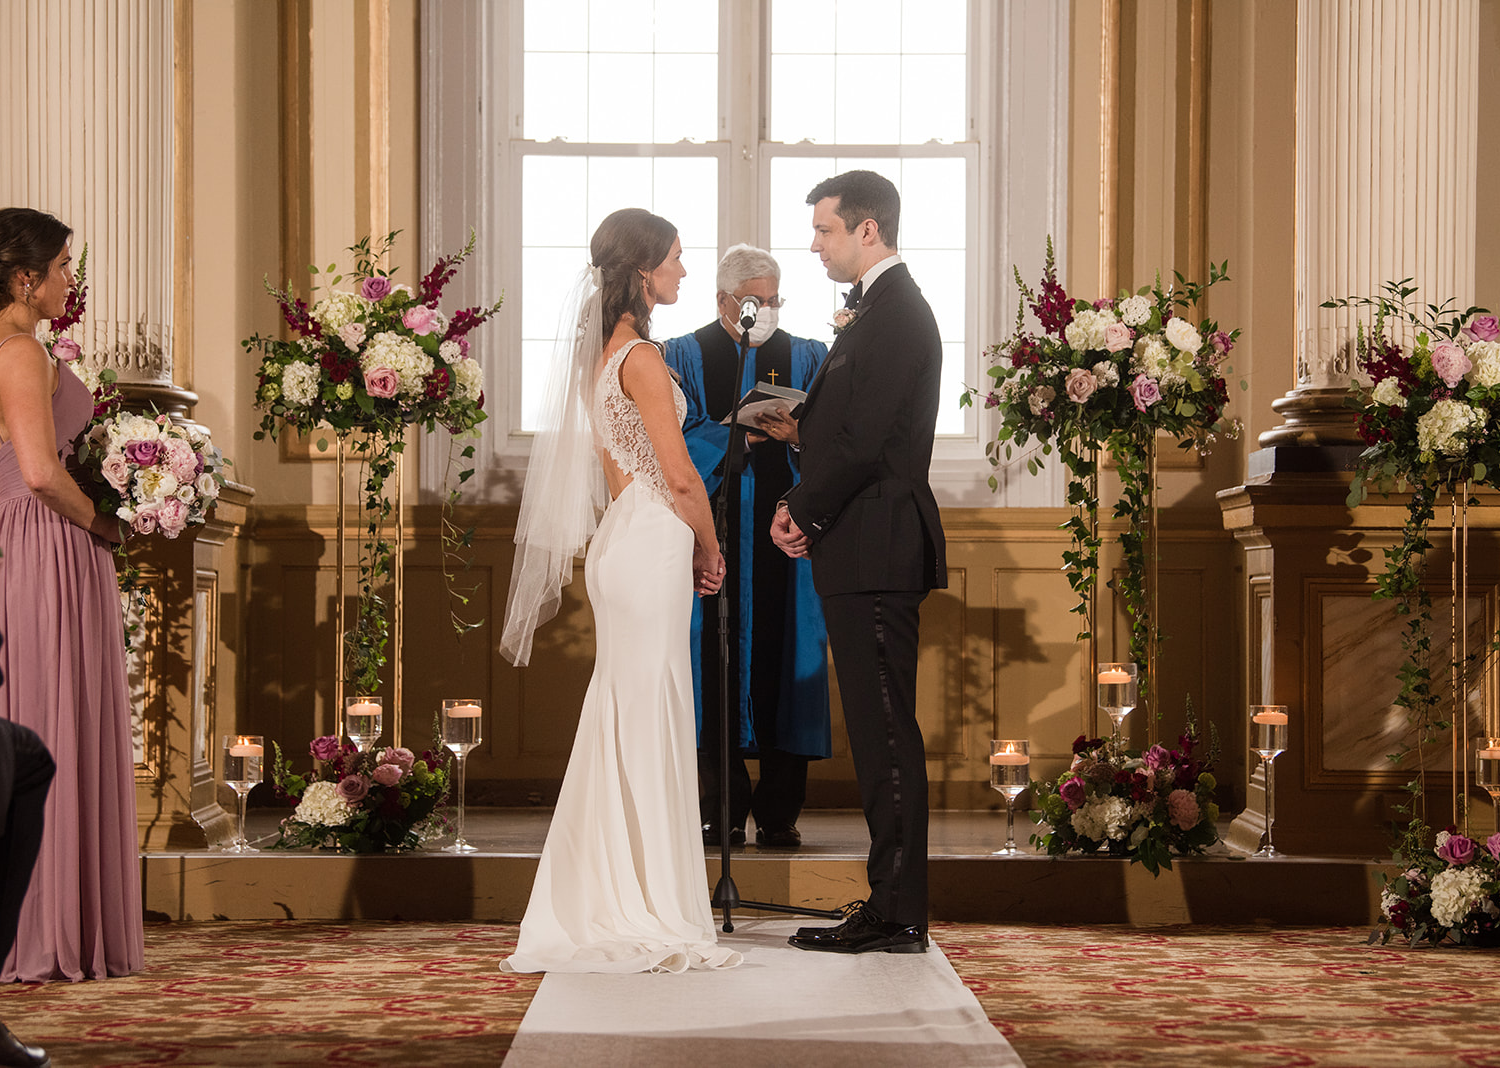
<point>29,241</point>
<point>627,242</point>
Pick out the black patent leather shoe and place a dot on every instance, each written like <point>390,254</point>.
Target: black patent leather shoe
<point>711,835</point>
<point>784,837</point>
<point>16,1054</point>
<point>865,932</point>
<point>851,909</point>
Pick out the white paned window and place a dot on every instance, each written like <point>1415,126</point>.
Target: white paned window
<point>721,115</point>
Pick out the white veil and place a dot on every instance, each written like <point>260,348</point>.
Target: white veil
<point>565,490</point>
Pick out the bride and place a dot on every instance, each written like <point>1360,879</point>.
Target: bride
<point>621,885</point>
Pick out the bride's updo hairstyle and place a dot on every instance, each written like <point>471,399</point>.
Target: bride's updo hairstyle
<point>628,242</point>
<point>29,241</point>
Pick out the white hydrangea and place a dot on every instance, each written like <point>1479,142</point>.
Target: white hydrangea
<point>468,379</point>
<point>338,310</point>
<point>1485,356</point>
<point>299,383</point>
<point>1134,311</point>
<point>1103,818</point>
<point>1442,427</point>
<point>451,351</point>
<point>128,427</point>
<point>1106,372</point>
<point>1455,893</point>
<point>321,804</point>
<point>1182,336</point>
<point>1086,331</point>
<point>1040,398</point>
<point>1388,392</point>
<point>1150,357</point>
<point>405,357</point>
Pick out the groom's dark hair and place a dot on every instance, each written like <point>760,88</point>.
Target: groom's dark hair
<point>863,195</point>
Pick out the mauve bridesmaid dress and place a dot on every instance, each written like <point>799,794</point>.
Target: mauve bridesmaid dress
<point>63,660</point>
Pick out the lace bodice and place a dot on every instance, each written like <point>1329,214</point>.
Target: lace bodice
<point>619,430</point>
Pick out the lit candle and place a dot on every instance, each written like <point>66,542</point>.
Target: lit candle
<point>464,711</point>
<point>1114,677</point>
<point>1270,717</point>
<point>364,708</point>
<point>243,748</point>
<point>1010,756</point>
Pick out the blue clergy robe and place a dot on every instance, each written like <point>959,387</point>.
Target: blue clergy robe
<point>800,721</point>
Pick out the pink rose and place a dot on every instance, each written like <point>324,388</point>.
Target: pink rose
<point>1156,758</point>
<point>387,774</point>
<point>1080,384</point>
<point>1182,807</point>
<point>353,788</point>
<point>324,748</point>
<point>375,288</point>
<point>1073,793</point>
<point>143,453</point>
<point>1492,843</point>
<point>420,319</point>
<point>401,758</point>
<point>172,515</point>
<point>1449,363</point>
<point>1118,337</point>
<point>66,349</point>
<point>116,470</point>
<point>1221,342</point>
<point>145,521</point>
<point>1479,328</point>
<point>1458,849</point>
<point>1145,392</point>
<point>381,382</point>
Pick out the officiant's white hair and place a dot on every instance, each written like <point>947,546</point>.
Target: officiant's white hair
<point>742,263</point>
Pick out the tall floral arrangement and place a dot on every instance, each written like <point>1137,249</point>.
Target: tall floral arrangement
<point>1428,419</point>
<point>1109,374</point>
<point>1147,806</point>
<point>367,362</point>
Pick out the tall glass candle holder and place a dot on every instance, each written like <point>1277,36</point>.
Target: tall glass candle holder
<point>1487,772</point>
<point>1010,774</point>
<point>244,762</point>
<point>1118,688</point>
<point>1268,735</point>
<point>462,731</point>
<point>364,720</point>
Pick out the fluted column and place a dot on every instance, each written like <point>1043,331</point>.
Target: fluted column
<point>1387,96</point>
<point>95,82</point>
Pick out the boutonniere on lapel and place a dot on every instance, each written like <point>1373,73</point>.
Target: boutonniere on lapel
<point>842,318</point>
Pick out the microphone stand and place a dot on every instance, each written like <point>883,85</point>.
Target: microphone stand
<point>726,894</point>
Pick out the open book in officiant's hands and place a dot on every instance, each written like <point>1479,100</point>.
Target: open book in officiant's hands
<point>765,397</point>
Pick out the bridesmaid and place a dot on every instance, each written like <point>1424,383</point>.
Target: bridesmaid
<point>63,660</point>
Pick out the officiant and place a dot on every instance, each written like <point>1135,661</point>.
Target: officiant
<point>778,645</point>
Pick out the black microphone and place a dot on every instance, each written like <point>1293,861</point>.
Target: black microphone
<point>749,306</point>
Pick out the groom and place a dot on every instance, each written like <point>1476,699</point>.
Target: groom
<point>865,515</point>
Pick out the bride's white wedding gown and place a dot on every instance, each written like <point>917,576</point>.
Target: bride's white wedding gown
<point>621,886</point>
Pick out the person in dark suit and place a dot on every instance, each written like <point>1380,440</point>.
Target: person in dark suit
<point>865,515</point>
<point>26,771</point>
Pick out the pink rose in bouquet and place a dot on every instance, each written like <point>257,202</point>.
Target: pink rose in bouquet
<point>1492,843</point>
<point>376,287</point>
<point>1073,793</point>
<point>143,453</point>
<point>66,349</point>
<point>387,774</point>
<point>382,382</point>
<point>1449,363</point>
<point>116,470</point>
<point>402,758</point>
<point>1080,385</point>
<point>1482,328</point>
<point>1118,337</point>
<point>145,521</point>
<point>325,748</point>
<point>1458,849</point>
<point>1144,392</point>
<point>354,788</point>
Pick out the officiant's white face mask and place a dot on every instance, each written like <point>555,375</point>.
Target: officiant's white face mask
<point>765,325</point>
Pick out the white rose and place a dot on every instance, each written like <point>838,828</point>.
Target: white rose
<point>1182,336</point>
<point>1134,311</point>
<point>352,334</point>
<point>207,486</point>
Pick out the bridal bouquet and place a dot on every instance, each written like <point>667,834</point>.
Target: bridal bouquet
<point>1449,891</point>
<point>381,800</point>
<point>1145,806</point>
<point>154,474</point>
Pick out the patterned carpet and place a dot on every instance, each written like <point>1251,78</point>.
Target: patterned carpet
<point>306,993</point>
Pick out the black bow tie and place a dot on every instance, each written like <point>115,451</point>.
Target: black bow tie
<point>852,300</point>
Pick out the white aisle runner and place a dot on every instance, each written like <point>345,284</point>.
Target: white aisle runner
<point>781,1006</point>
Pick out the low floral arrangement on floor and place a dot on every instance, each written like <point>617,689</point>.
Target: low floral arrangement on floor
<point>377,801</point>
<point>1145,806</point>
<point>368,362</point>
<point>1447,892</point>
<point>1109,374</point>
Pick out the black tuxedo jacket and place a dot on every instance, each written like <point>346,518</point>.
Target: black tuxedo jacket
<point>866,431</point>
